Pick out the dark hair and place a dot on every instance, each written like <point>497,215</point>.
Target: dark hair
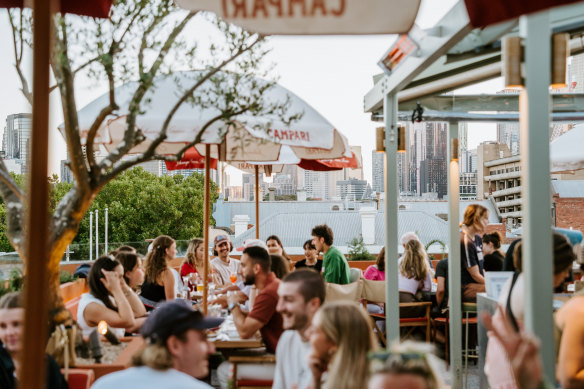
<point>311,283</point>
<point>495,238</point>
<point>381,260</point>
<point>563,253</point>
<point>128,260</point>
<point>96,287</point>
<point>122,249</point>
<point>11,301</point>
<point>324,231</point>
<point>156,259</point>
<point>309,244</point>
<point>284,254</point>
<point>279,266</point>
<point>260,256</point>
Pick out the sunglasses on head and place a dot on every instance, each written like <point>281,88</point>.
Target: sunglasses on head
<point>386,355</point>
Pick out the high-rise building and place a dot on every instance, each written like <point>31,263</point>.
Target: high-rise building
<point>66,174</point>
<point>377,167</point>
<point>351,189</point>
<point>433,177</point>
<point>16,140</point>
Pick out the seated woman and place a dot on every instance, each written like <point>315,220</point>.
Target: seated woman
<point>377,273</point>
<point>414,276</point>
<point>494,258</point>
<point>497,366</point>
<point>193,262</point>
<point>159,283</point>
<point>279,266</point>
<point>475,220</point>
<point>109,299</point>
<point>340,338</point>
<point>11,338</point>
<point>310,260</point>
<point>275,247</point>
<point>134,278</point>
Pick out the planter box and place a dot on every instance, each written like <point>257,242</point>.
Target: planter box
<point>123,361</point>
<point>72,290</point>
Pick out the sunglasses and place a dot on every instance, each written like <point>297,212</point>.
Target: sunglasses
<point>405,357</point>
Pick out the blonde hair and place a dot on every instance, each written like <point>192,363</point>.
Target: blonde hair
<point>349,328</point>
<point>473,214</point>
<point>411,358</point>
<point>191,255</point>
<point>414,263</point>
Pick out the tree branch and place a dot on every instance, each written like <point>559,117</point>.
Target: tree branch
<point>18,41</point>
<point>7,180</point>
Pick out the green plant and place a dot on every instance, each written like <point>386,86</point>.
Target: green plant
<point>16,280</point>
<point>358,251</point>
<point>65,277</point>
<point>430,243</point>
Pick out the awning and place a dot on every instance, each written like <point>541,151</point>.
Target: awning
<point>94,8</point>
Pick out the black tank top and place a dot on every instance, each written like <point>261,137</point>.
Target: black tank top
<point>153,291</point>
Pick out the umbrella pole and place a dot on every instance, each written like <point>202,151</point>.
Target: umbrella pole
<point>206,200</point>
<point>32,374</point>
<point>257,200</point>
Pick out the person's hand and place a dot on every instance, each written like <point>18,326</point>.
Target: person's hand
<point>236,297</point>
<point>111,280</point>
<point>317,366</point>
<point>221,300</point>
<point>522,350</point>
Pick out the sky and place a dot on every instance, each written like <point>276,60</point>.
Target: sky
<point>332,73</point>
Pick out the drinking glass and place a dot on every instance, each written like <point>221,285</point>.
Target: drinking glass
<point>233,278</point>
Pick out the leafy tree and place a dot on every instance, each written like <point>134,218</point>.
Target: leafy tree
<point>358,251</point>
<point>141,40</point>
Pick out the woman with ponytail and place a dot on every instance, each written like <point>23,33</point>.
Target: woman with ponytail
<point>159,282</point>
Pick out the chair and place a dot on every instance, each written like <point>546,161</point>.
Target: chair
<point>347,292</point>
<point>356,274</point>
<point>374,291</point>
<point>80,378</point>
<point>251,383</point>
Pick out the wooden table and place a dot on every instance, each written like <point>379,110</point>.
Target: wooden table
<point>237,343</point>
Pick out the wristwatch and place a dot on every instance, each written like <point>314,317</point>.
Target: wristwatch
<point>231,306</point>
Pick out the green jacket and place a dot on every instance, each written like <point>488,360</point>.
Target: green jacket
<point>335,267</point>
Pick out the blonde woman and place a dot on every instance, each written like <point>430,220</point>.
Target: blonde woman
<point>159,282</point>
<point>414,276</point>
<point>474,224</point>
<point>194,258</point>
<point>340,338</point>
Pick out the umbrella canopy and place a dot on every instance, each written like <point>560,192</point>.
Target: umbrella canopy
<point>314,17</point>
<point>191,160</point>
<point>566,153</point>
<point>94,8</point>
<point>256,138</point>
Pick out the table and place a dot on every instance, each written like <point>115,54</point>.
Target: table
<point>228,338</point>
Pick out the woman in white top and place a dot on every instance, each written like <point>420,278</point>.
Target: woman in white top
<point>414,276</point>
<point>109,299</point>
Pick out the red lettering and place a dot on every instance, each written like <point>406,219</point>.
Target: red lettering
<point>239,5</point>
<point>302,135</point>
<point>259,5</point>
<point>341,10</point>
<point>318,4</point>
<point>296,136</point>
<point>291,7</point>
<point>276,135</point>
<point>276,3</point>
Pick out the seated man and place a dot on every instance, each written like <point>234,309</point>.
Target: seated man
<point>176,351</point>
<point>301,295</point>
<point>335,268</point>
<point>255,270</point>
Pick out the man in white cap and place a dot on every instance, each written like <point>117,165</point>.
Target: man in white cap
<point>223,264</point>
<point>176,351</point>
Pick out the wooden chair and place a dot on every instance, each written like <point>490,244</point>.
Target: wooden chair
<point>374,292</point>
<point>347,292</point>
<point>80,378</point>
<point>251,383</point>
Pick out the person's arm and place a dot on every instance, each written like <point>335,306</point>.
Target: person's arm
<point>246,326</point>
<point>570,368</point>
<point>135,303</point>
<point>476,275</point>
<point>168,282</point>
<point>124,317</point>
<point>427,282</point>
<point>440,290</point>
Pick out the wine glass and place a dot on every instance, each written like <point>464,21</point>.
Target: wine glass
<point>233,278</point>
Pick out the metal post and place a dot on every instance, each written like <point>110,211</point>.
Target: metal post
<point>534,122</point>
<point>106,216</point>
<point>454,302</point>
<point>391,231</point>
<point>206,212</point>
<point>96,234</point>
<point>91,235</point>
<point>32,359</point>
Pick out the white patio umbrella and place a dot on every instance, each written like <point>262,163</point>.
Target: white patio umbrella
<point>567,152</point>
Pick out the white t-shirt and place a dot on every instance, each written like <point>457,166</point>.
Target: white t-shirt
<point>86,299</point>
<point>223,270</point>
<point>292,362</point>
<point>145,378</point>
